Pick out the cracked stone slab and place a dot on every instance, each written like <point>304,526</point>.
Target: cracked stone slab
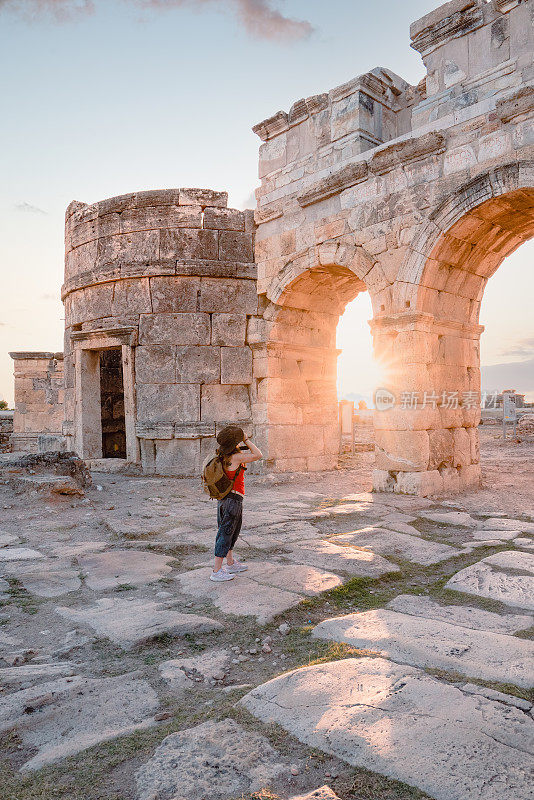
<point>49,578</point>
<point>327,555</point>
<point>26,673</point>
<point>460,518</point>
<point>115,567</point>
<point>280,534</point>
<point>522,541</point>
<point>76,550</point>
<point>404,724</point>
<point>466,616</point>
<point>19,554</point>
<point>510,559</point>
<point>219,760</point>
<point>344,508</point>
<point>208,665</point>
<point>72,714</point>
<point>393,523</point>
<point>241,596</point>
<point>508,699</point>
<point>293,577</point>
<point>400,545</point>
<point>7,539</point>
<point>129,623</point>
<point>498,524</point>
<point>485,579</point>
<point>424,642</point>
<point>501,535</point>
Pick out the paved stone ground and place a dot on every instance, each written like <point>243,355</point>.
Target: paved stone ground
<point>391,635</point>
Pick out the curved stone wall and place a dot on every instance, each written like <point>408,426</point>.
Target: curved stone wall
<point>169,278</point>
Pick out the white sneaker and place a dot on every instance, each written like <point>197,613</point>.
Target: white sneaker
<point>237,566</point>
<point>221,575</point>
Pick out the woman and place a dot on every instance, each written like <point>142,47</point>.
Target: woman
<point>230,508</point>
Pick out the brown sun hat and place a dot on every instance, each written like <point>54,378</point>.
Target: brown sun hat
<point>229,438</point>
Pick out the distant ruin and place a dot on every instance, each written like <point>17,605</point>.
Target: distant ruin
<point>182,314</point>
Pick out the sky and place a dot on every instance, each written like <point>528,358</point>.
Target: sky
<point>104,97</point>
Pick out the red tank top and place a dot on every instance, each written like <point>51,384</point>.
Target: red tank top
<point>239,485</point>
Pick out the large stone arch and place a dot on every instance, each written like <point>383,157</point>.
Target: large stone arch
<point>434,350</point>
<point>296,364</point>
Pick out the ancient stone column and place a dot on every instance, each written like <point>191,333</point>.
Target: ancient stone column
<point>159,287</point>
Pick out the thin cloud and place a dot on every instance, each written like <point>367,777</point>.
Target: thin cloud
<point>258,17</point>
<point>524,348</point>
<point>61,10</point>
<point>28,208</point>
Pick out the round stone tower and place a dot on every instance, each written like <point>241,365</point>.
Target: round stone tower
<point>159,292</point>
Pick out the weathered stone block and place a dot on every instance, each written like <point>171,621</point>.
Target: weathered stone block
<point>164,216</point>
<point>408,451</point>
<point>225,219</point>
<point>474,443</point>
<point>235,246</point>
<point>131,296</point>
<point>441,449</point>
<point>462,448</point>
<point>188,243</point>
<point>198,364</point>
<point>228,295</point>
<point>194,430</point>
<point>228,329</point>
<point>171,293</point>
<point>294,441</point>
<point>423,484</point>
<point>203,197</point>
<point>155,364</point>
<point>155,430</point>
<point>225,403</point>
<point>168,402</point>
<point>236,365</point>
<point>177,457</point>
<point>129,248</point>
<point>187,328</point>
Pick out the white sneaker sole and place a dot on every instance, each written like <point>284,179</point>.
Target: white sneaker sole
<point>228,577</point>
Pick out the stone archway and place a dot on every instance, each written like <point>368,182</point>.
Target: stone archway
<point>296,363</point>
<point>428,442</point>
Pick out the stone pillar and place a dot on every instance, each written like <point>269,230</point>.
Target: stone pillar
<point>428,412</point>
<point>167,277</point>
<point>39,398</point>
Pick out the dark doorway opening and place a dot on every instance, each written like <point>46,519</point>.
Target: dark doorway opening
<point>112,404</point>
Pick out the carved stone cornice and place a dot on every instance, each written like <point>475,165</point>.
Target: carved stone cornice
<point>344,178</point>
<point>520,102</point>
<point>434,29</point>
<point>389,156</point>
<point>28,356</point>
<point>126,334</point>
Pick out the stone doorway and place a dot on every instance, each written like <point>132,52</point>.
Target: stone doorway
<point>112,404</point>
<point>104,394</point>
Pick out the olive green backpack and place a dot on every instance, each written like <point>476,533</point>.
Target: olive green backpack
<point>215,481</point>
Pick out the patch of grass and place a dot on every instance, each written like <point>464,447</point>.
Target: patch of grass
<point>21,598</point>
<point>449,676</point>
<point>125,587</point>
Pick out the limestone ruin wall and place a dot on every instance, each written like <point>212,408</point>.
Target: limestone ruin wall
<point>415,194</point>
<point>39,396</point>
<point>164,284</point>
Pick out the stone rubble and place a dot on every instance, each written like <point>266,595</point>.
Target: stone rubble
<point>218,760</point>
